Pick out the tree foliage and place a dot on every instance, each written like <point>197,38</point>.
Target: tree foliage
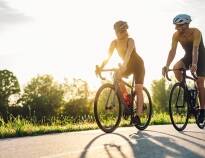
<point>76,89</point>
<point>160,95</point>
<point>43,97</point>
<point>9,85</point>
<point>76,98</point>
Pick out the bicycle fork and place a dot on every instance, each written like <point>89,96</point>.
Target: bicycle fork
<point>107,106</point>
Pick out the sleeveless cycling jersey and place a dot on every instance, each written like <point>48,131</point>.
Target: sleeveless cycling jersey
<point>135,66</point>
<point>187,59</point>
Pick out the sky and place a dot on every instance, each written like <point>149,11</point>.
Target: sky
<point>67,38</point>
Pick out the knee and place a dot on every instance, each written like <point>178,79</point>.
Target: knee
<point>176,72</point>
<point>176,66</point>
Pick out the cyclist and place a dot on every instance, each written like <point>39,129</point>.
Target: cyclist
<point>194,58</point>
<point>132,64</point>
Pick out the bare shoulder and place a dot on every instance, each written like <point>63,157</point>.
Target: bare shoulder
<point>131,39</point>
<point>196,32</point>
<point>175,35</point>
<point>113,44</point>
<point>195,29</point>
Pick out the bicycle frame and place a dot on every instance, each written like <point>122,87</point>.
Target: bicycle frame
<point>184,83</point>
<point>116,81</point>
<point>124,108</point>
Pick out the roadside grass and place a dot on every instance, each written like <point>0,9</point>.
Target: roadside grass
<point>18,127</point>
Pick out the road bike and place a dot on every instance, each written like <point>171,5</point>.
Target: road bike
<point>183,101</point>
<point>110,106</point>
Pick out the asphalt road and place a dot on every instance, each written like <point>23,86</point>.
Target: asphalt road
<point>155,142</point>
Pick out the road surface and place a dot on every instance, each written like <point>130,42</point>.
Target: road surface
<point>156,142</point>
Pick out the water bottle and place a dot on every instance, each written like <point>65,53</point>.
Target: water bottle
<point>127,98</point>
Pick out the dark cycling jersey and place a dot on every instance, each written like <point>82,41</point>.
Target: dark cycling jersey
<point>187,59</point>
<point>135,66</point>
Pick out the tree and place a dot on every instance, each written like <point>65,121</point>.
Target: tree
<point>76,98</point>
<point>43,97</point>
<point>77,89</point>
<point>160,95</point>
<point>9,85</point>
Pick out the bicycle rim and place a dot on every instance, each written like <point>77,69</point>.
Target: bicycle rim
<point>107,108</point>
<point>178,107</point>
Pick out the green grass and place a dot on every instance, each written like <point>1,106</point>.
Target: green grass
<point>18,127</point>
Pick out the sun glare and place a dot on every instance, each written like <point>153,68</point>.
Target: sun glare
<point>68,38</point>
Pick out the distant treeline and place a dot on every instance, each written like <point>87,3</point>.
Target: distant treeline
<point>44,98</point>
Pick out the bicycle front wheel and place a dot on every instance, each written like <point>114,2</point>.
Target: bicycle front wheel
<point>147,110</point>
<point>107,108</point>
<point>178,107</point>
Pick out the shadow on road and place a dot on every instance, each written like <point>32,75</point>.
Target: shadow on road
<point>184,139</point>
<point>161,146</point>
<point>108,146</point>
<point>143,144</point>
<point>194,132</point>
<point>189,135</point>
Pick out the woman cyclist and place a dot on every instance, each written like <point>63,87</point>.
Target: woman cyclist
<point>132,63</point>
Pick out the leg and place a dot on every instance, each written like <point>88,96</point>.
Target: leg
<point>177,73</point>
<point>122,87</point>
<point>200,85</point>
<point>201,88</point>
<point>140,98</point>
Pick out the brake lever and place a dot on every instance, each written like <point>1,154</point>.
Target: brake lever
<point>167,76</point>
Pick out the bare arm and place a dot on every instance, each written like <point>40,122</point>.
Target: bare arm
<point>110,52</point>
<point>131,46</point>
<point>195,53</point>
<point>197,39</point>
<point>172,51</point>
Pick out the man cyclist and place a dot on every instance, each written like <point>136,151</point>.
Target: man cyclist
<point>132,63</point>
<point>194,58</point>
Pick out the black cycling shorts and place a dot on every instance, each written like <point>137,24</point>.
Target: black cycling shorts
<point>135,66</point>
<point>200,65</point>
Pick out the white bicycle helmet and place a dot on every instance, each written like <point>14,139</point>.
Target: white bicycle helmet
<point>182,19</point>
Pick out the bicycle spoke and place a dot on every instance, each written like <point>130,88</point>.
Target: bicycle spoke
<point>178,108</point>
<point>107,108</point>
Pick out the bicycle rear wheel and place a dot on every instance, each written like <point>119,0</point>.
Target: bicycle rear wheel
<point>145,118</point>
<point>107,108</point>
<point>178,107</point>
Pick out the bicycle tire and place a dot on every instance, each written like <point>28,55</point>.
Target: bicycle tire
<point>183,101</point>
<point>98,102</point>
<point>149,115</point>
<point>201,126</point>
